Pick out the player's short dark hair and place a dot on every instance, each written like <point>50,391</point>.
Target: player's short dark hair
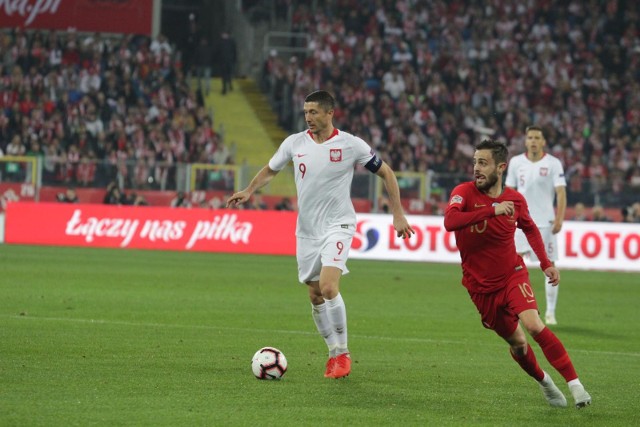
<point>534,127</point>
<point>323,98</point>
<point>498,150</point>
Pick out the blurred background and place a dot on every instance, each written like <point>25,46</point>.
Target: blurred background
<point>181,102</point>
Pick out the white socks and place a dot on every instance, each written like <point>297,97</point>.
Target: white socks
<point>552,296</point>
<point>319,314</point>
<point>574,382</point>
<point>337,315</point>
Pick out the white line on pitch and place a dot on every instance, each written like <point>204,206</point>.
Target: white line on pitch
<point>293,332</point>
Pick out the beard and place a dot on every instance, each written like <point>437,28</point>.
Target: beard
<point>489,182</point>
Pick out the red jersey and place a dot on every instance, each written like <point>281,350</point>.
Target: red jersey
<point>486,241</point>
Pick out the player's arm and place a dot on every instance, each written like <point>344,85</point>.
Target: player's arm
<point>400,223</point>
<point>457,217</point>
<point>561,207</point>
<point>261,179</point>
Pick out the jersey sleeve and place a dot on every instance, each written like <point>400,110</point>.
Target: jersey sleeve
<point>558,174</point>
<point>456,215</point>
<point>366,156</point>
<point>283,155</point>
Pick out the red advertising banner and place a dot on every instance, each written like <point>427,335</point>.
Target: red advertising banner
<point>234,231</point>
<point>109,16</point>
<point>581,245</point>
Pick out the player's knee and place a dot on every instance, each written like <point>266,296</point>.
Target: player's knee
<point>519,349</point>
<point>315,296</point>
<point>316,299</point>
<point>329,290</point>
<point>534,328</point>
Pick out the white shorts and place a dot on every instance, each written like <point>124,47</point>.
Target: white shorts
<point>332,251</point>
<point>550,244</point>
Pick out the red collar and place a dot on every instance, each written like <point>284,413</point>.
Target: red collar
<point>334,133</point>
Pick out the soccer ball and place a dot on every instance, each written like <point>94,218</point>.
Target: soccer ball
<point>269,363</point>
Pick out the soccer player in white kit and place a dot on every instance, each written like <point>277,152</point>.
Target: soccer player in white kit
<point>539,176</point>
<point>324,159</point>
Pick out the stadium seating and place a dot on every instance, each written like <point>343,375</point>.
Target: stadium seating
<point>422,80</point>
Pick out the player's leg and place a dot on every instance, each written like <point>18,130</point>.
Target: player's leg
<point>336,311</point>
<point>551,292</point>
<point>518,298</point>
<point>337,314</point>
<point>334,257</point>
<point>309,267</point>
<point>556,354</point>
<point>523,354</point>
<point>324,326</point>
<point>497,315</point>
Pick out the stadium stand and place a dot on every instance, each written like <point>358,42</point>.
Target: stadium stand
<point>420,80</point>
<point>423,80</point>
<point>99,109</point>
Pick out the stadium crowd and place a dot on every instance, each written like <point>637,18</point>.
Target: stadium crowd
<point>99,108</point>
<point>425,80</point>
<point>420,80</point>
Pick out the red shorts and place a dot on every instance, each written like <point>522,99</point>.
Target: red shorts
<point>499,310</point>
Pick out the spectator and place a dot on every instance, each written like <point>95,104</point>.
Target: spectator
<point>257,203</point>
<point>631,213</point>
<point>69,196</point>
<point>15,171</point>
<point>191,45</point>
<point>113,100</point>
<point>485,72</point>
<point>598,214</point>
<point>226,56</point>
<point>579,212</point>
<point>284,205</point>
<point>136,199</point>
<point>204,60</point>
<point>113,195</point>
<point>180,201</point>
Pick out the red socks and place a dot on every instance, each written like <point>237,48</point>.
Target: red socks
<point>556,354</point>
<point>529,363</point>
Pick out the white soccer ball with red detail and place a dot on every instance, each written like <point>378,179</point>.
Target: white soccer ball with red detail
<point>269,363</point>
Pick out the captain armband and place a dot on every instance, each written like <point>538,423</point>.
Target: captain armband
<point>374,164</point>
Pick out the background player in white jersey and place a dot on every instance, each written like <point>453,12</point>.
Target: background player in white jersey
<point>539,176</point>
<point>324,159</point>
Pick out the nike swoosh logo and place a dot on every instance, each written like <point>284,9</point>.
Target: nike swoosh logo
<point>478,206</point>
<point>337,259</point>
<point>300,155</point>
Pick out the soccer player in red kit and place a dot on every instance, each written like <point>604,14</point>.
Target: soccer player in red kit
<point>484,217</point>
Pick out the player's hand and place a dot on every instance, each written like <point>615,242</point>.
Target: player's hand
<point>403,229</point>
<point>557,226</point>
<point>505,208</point>
<point>553,274</point>
<point>238,198</point>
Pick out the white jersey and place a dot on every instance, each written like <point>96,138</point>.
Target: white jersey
<point>323,174</point>
<point>537,182</point>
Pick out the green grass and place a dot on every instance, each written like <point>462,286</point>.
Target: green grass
<point>123,337</point>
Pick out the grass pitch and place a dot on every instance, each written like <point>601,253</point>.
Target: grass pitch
<point>123,337</point>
